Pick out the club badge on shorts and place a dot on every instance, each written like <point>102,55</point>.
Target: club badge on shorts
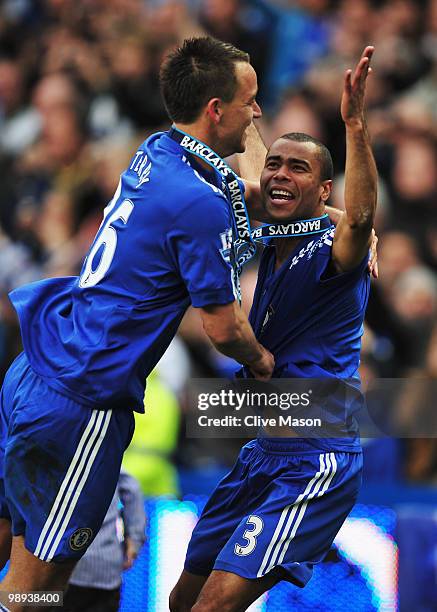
<point>80,538</point>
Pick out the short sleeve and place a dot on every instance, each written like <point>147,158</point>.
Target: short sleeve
<point>199,244</point>
<point>324,276</point>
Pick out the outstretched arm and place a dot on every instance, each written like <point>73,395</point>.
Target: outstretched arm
<point>248,166</point>
<point>353,234</point>
<point>251,162</point>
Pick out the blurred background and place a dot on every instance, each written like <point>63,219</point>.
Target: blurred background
<point>79,90</point>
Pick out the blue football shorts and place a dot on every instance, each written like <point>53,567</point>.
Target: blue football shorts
<point>59,464</point>
<point>278,510</point>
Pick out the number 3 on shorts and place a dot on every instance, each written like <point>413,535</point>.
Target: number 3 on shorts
<point>250,535</point>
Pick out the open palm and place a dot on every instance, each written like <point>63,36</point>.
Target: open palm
<point>352,100</point>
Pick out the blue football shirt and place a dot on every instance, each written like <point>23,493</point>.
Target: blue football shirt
<point>312,321</point>
<point>164,243</point>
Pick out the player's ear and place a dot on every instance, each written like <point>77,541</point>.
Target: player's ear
<point>214,110</point>
<point>325,190</point>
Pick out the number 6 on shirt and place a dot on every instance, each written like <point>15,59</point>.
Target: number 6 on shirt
<point>108,238</point>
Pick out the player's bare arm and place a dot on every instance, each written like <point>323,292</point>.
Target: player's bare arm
<point>251,162</point>
<point>229,330</point>
<point>354,231</point>
<point>249,166</point>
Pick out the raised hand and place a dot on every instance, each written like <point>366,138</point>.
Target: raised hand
<point>373,258</point>
<point>352,100</point>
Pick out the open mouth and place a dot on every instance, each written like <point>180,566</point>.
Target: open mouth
<point>281,195</point>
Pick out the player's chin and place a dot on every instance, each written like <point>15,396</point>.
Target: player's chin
<point>285,211</point>
<point>240,147</point>
<point>243,141</point>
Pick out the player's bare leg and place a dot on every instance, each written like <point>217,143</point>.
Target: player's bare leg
<point>5,541</point>
<point>227,592</point>
<point>184,595</point>
<point>28,573</point>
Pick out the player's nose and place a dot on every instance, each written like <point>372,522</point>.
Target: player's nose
<point>280,174</point>
<point>257,112</point>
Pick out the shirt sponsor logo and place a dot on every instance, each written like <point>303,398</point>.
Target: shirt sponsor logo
<point>239,209</point>
<point>200,149</point>
<point>291,229</point>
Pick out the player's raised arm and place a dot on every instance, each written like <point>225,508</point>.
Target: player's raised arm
<point>251,162</point>
<point>249,166</point>
<point>353,234</point>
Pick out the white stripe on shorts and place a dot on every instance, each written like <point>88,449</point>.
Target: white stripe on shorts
<point>279,543</point>
<point>332,466</point>
<point>70,489</point>
<point>333,472</point>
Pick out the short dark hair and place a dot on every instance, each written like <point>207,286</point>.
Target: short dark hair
<point>324,156</point>
<point>201,69</point>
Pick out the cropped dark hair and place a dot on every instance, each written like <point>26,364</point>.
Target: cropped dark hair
<point>201,69</point>
<point>324,156</point>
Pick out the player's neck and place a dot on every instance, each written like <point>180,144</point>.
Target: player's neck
<point>284,246</point>
<point>199,130</point>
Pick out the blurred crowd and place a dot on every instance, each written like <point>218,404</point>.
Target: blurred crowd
<point>79,90</point>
